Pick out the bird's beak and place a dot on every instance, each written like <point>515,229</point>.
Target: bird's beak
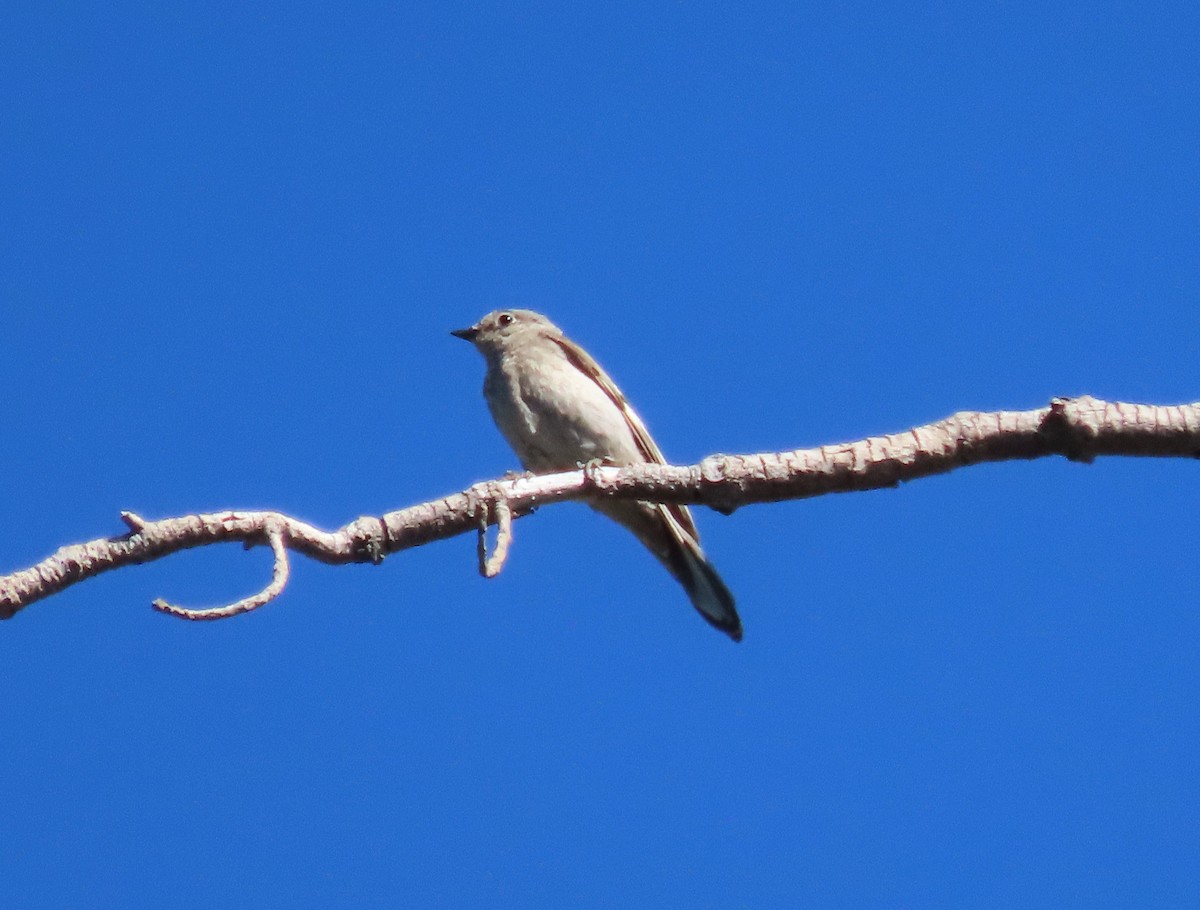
<point>466,334</point>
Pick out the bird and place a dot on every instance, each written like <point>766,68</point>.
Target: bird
<point>559,411</point>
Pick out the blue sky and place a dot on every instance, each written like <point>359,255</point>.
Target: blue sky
<point>235,237</point>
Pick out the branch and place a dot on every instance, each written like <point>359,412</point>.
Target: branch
<point>1080,429</point>
<point>278,580</point>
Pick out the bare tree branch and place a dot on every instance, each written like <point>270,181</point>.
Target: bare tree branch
<point>496,510</point>
<point>1080,429</point>
<point>278,580</point>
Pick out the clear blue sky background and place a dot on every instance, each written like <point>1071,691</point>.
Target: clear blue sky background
<point>235,236</point>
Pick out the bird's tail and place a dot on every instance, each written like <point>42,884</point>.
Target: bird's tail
<point>707,592</point>
<point>667,531</point>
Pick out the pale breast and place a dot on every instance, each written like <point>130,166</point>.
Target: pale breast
<point>554,416</point>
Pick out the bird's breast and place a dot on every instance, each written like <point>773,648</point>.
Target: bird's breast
<point>555,417</point>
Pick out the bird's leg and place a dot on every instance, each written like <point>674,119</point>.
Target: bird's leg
<point>590,467</point>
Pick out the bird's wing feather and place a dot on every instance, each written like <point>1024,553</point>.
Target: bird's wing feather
<point>645,443</point>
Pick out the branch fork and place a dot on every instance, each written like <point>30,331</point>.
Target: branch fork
<point>493,508</point>
<point>274,532</point>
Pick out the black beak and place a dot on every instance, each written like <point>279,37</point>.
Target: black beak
<point>466,334</point>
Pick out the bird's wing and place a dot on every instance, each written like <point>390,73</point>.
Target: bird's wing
<point>645,443</point>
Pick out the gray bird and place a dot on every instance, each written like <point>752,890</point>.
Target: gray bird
<point>559,410</point>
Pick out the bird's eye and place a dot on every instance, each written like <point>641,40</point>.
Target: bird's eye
<point>505,319</point>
